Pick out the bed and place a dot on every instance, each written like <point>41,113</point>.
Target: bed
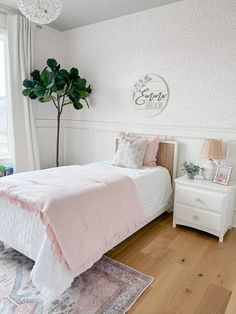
<point>23,231</point>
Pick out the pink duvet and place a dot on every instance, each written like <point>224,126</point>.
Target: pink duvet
<point>84,211</point>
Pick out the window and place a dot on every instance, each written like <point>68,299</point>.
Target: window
<point>4,101</point>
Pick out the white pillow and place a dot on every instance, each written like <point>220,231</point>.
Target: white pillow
<point>130,153</point>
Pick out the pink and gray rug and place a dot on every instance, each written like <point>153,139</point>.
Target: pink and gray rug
<point>108,287</point>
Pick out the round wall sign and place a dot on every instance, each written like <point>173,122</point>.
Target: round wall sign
<point>151,94</point>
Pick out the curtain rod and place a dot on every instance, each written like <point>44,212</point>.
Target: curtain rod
<point>5,13</point>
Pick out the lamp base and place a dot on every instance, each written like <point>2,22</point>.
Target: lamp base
<point>209,169</point>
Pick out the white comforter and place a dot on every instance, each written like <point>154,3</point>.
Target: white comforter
<point>24,231</point>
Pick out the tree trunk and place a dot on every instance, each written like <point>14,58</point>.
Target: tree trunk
<point>58,137</point>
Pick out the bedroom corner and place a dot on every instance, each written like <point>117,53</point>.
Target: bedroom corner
<point>117,156</point>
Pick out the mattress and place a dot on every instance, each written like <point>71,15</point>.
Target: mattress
<point>23,231</point>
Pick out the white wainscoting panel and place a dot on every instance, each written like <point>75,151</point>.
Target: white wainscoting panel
<point>47,146</point>
<point>84,142</point>
<point>78,145</point>
<point>104,144</point>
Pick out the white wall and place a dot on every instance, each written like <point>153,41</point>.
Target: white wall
<point>191,44</point>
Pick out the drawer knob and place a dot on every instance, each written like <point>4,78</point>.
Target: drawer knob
<point>195,217</point>
<point>200,201</point>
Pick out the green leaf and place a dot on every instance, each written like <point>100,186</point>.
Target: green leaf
<point>81,83</point>
<point>60,82</point>
<point>46,77</point>
<point>52,64</point>
<point>26,92</point>
<point>28,84</point>
<point>74,73</point>
<point>64,74</point>
<point>74,95</point>
<point>40,90</point>
<point>50,85</point>
<point>33,96</point>
<point>36,75</point>
<point>77,105</point>
<point>84,94</point>
<point>41,99</point>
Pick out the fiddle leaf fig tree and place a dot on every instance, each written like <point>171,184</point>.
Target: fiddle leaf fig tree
<point>59,86</point>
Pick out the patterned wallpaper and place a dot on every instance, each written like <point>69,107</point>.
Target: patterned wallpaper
<point>191,44</point>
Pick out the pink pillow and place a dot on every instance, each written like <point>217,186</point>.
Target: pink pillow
<point>151,150</point>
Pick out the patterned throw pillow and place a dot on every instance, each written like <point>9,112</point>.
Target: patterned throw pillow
<point>151,150</point>
<point>130,153</point>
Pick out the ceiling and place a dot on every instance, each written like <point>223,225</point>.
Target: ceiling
<point>76,13</point>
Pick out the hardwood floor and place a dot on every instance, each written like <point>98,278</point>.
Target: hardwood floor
<point>194,273</point>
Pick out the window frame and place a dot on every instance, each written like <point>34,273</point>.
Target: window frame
<point>7,157</point>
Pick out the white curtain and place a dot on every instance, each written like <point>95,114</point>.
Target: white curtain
<point>3,20</point>
<point>20,43</point>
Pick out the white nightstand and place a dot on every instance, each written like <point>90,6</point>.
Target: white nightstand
<point>204,205</point>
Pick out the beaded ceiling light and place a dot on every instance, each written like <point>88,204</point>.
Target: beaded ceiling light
<point>40,11</point>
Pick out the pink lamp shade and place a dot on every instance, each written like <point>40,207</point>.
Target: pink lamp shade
<point>212,149</point>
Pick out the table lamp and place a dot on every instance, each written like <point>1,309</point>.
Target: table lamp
<point>211,149</point>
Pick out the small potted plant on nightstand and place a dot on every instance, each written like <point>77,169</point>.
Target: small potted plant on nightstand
<point>190,169</point>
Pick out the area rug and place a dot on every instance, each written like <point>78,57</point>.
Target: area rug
<point>108,287</point>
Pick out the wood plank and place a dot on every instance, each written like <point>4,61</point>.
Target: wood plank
<point>231,308</point>
<point>162,289</point>
<point>215,300</point>
<point>193,287</point>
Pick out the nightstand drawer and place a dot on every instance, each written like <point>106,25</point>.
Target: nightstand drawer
<point>200,198</point>
<point>198,217</point>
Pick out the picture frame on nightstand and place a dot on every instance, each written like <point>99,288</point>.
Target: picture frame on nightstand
<point>222,175</point>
